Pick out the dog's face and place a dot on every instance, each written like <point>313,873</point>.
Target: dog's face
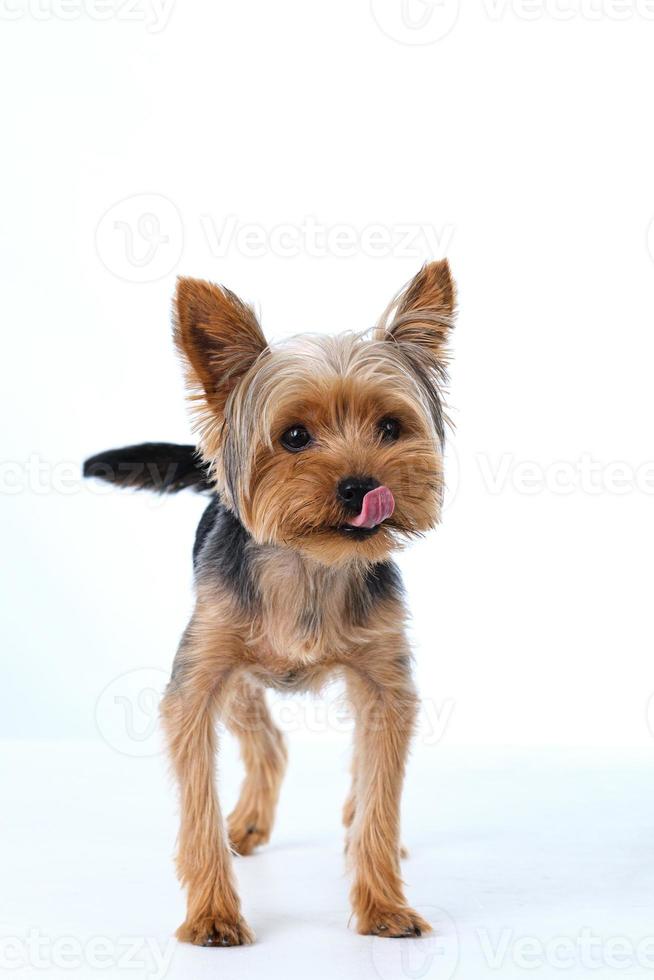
<point>330,445</point>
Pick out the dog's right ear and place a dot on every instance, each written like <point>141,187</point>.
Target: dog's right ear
<point>218,336</point>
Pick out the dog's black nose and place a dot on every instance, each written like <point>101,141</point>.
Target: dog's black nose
<point>353,489</point>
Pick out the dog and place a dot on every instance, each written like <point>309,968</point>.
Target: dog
<point>322,455</point>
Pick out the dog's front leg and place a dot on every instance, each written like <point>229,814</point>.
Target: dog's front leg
<point>385,705</point>
<point>194,698</point>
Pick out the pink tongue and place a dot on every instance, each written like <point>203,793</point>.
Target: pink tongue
<point>378,504</point>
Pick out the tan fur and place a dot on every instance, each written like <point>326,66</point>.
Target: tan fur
<point>306,625</point>
<point>189,710</point>
<point>423,312</point>
<point>218,336</point>
<point>264,755</point>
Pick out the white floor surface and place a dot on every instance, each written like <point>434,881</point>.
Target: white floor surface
<point>528,863</point>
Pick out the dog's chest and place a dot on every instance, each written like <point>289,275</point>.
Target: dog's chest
<point>304,617</point>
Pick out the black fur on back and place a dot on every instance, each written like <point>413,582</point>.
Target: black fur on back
<point>224,548</point>
<point>160,466</point>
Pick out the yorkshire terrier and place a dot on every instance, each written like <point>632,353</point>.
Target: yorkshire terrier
<point>322,455</point>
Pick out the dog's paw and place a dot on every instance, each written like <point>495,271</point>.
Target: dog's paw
<point>400,923</point>
<point>246,834</point>
<point>214,931</point>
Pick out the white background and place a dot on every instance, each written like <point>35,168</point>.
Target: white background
<point>144,142</point>
<point>525,146</point>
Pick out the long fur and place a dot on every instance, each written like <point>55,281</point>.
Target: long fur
<point>286,596</point>
<point>160,466</point>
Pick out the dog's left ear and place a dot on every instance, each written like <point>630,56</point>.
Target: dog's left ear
<point>422,314</point>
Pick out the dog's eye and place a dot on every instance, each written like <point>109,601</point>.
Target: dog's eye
<point>390,429</point>
<point>296,438</point>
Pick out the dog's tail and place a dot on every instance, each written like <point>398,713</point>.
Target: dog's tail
<point>160,466</point>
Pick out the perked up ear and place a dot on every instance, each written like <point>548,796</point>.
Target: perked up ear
<point>218,335</point>
<point>422,314</point>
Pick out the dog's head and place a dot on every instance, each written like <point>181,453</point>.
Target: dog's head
<point>330,445</point>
